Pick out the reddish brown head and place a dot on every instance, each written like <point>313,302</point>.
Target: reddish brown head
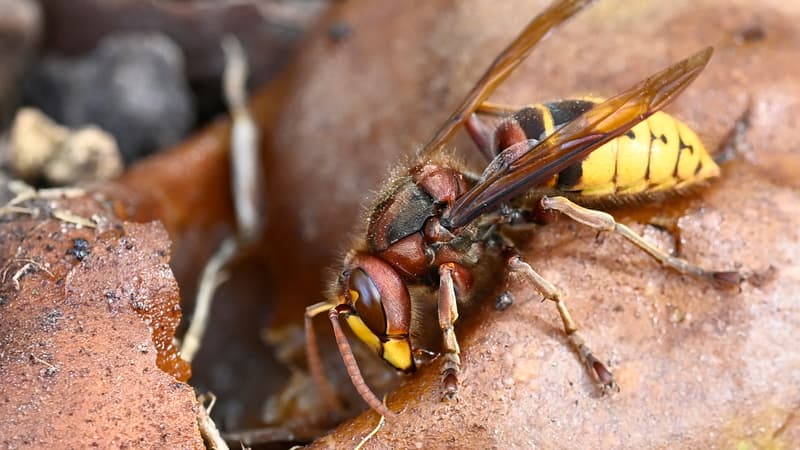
<point>380,308</point>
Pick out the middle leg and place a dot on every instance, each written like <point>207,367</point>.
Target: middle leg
<point>599,372</point>
<point>450,276</point>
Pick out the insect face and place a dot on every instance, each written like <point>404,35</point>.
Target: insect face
<point>376,305</point>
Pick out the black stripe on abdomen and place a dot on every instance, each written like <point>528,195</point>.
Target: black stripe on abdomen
<point>564,111</point>
<point>570,176</point>
<point>531,121</point>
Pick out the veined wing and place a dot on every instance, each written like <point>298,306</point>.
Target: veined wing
<point>515,170</point>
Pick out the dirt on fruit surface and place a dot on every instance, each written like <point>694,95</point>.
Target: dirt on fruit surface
<point>88,309</point>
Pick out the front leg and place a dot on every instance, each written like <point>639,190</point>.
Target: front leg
<point>450,275</point>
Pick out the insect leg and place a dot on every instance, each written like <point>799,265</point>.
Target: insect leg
<point>448,314</point>
<point>497,109</point>
<point>314,359</point>
<point>605,222</point>
<point>481,135</point>
<point>598,370</point>
<point>350,362</point>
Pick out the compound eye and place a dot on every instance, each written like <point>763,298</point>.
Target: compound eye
<point>367,301</point>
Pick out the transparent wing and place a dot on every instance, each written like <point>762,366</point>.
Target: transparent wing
<point>516,170</point>
<point>558,12</point>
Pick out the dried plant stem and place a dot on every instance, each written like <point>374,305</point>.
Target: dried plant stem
<point>213,276</point>
<point>208,429</point>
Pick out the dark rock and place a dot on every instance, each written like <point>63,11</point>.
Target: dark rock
<point>20,31</point>
<point>267,30</point>
<point>131,85</point>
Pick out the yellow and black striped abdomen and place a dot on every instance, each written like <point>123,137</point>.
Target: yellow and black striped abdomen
<point>657,155</point>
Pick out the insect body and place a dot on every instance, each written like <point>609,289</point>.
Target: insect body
<point>658,155</point>
<point>435,240</point>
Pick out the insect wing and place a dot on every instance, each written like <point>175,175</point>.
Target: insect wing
<point>516,169</point>
<point>558,12</point>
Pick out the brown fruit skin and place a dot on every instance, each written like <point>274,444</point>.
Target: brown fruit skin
<point>718,364</point>
<point>710,359</point>
<point>86,353</point>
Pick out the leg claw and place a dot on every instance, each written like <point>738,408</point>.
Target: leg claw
<point>604,377</point>
<point>450,383</point>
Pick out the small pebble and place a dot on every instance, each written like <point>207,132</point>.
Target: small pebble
<point>80,249</point>
<point>42,150</point>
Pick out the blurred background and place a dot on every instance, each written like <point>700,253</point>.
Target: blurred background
<point>127,95</point>
<point>147,72</point>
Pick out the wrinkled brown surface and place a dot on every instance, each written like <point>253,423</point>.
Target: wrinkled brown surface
<point>80,338</point>
<point>697,366</point>
<point>188,190</point>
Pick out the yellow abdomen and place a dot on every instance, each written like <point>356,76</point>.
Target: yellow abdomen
<point>658,155</point>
